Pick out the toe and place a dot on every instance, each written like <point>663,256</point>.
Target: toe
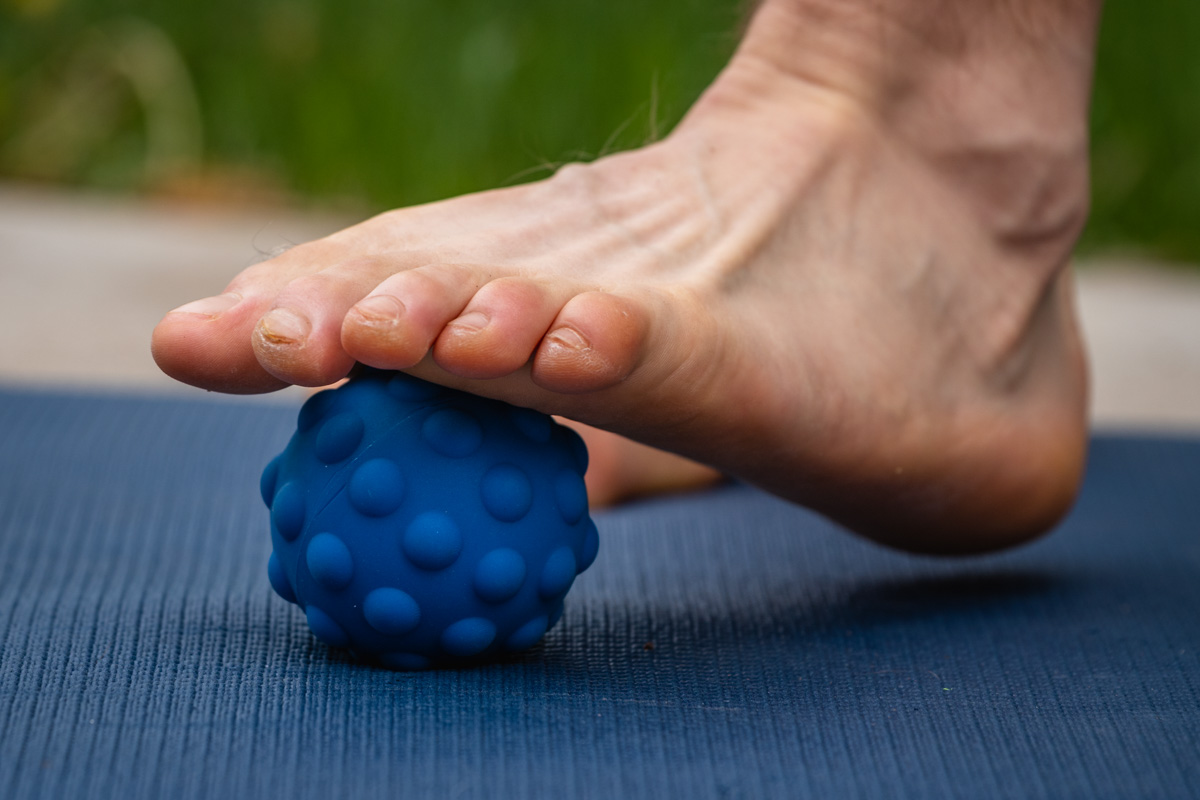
<point>620,469</point>
<point>298,340</point>
<point>594,343</point>
<point>395,325</point>
<point>206,343</point>
<point>497,332</point>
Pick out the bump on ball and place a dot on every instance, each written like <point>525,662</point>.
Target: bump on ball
<point>432,541</point>
<point>329,561</point>
<point>391,611</point>
<point>339,437</point>
<point>287,510</point>
<point>499,575</point>
<point>452,433</point>
<point>376,488</point>
<point>507,492</point>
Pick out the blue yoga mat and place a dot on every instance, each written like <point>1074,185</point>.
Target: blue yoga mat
<point>724,644</point>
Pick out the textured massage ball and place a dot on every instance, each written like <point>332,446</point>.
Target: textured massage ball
<point>420,526</point>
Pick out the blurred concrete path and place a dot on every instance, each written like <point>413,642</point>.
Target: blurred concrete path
<point>84,278</point>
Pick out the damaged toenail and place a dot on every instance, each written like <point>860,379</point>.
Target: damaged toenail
<point>210,306</point>
<point>379,308</point>
<point>568,338</point>
<point>284,326</point>
<point>472,321</point>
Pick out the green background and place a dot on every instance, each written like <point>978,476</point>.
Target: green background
<point>378,103</point>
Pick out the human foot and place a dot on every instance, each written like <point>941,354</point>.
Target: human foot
<point>620,469</point>
<point>841,278</point>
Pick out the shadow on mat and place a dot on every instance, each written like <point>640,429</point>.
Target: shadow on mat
<point>902,600</point>
<point>790,625</point>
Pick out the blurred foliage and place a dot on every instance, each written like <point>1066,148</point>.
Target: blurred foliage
<point>1146,130</point>
<point>393,102</point>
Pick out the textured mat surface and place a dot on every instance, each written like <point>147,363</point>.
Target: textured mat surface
<point>724,645</point>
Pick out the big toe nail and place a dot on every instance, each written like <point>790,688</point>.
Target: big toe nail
<point>210,306</point>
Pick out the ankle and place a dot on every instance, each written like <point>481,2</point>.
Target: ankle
<point>991,98</point>
<point>881,53</point>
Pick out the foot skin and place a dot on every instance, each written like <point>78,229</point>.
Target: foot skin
<point>620,469</point>
<point>840,281</point>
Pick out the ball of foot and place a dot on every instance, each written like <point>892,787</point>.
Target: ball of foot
<point>420,526</point>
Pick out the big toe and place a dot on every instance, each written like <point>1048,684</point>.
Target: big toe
<point>206,343</point>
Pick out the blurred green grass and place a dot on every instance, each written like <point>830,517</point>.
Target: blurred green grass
<point>380,103</point>
<point>1146,131</point>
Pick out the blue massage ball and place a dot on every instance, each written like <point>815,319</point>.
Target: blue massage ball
<point>420,526</point>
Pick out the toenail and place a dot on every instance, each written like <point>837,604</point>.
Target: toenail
<point>210,306</point>
<point>379,308</point>
<point>568,338</point>
<point>284,326</point>
<point>472,321</point>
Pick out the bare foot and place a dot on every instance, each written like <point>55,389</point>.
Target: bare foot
<point>620,469</point>
<point>842,278</point>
